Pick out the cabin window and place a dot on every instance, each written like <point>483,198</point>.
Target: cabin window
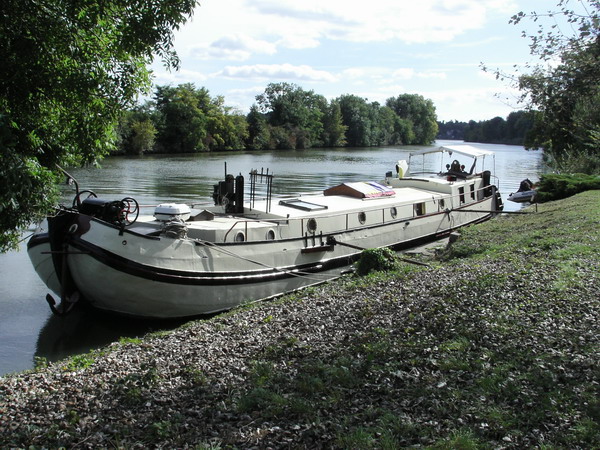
<point>419,209</point>
<point>270,235</point>
<point>311,225</point>
<point>461,194</point>
<point>393,212</point>
<point>441,204</point>
<point>362,217</point>
<point>240,237</point>
<point>472,187</point>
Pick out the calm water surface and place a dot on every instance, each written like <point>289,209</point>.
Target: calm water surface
<point>27,327</point>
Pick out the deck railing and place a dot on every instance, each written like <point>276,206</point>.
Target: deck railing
<point>449,203</point>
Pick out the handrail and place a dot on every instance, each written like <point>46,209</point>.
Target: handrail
<point>443,196</point>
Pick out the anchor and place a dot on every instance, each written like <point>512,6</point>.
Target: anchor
<point>67,302</point>
<point>61,310</point>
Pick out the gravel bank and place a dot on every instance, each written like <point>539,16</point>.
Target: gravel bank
<point>498,349</point>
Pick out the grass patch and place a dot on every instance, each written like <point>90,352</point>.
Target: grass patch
<point>499,356</point>
<point>497,346</point>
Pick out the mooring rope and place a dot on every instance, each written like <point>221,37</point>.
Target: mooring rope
<point>292,272</point>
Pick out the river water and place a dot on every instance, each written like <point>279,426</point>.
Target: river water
<point>28,330</point>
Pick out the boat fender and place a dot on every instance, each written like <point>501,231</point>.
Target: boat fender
<point>402,168</point>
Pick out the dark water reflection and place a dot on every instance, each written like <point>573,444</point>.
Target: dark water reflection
<point>28,329</point>
<point>85,329</point>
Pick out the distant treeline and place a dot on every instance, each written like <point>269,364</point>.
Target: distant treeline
<point>185,119</point>
<point>513,130</point>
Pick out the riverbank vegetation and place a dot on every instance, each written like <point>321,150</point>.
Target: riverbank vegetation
<point>512,131</point>
<point>68,71</point>
<point>495,345</point>
<point>186,119</point>
<point>563,88</point>
<point>556,186</point>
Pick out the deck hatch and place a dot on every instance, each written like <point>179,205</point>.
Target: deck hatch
<point>302,205</point>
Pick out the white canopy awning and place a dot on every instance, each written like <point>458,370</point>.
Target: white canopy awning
<point>467,150</point>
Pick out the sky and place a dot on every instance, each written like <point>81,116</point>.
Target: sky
<point>373,49</point>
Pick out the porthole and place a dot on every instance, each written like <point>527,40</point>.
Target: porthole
<point>441,203</point>
<point>311,225</point>
<point>240,237</point>
<point>362,217</point>
<point>393,212</point>
<point>270,235</point>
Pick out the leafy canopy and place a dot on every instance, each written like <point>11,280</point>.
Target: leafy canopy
<point>564,89</point>
<point>69,67</point>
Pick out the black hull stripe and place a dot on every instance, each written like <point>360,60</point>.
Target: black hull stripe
<point>172,276</point>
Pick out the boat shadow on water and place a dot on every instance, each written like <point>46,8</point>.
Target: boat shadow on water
<point>86,329</point>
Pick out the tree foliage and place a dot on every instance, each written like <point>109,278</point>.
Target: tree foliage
<point>565,87</point>
<point>259,135</point>
<point>300,112</point>
<point>357,116</point>
<point>420,112</point>
<point>183,119</point>
<point>68,70</point>
<point>188,119</point>
<point>512,130</point>
<point>334,130</point>
<point>136,132</point>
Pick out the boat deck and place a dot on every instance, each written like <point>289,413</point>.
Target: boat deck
<point>333,204</point>
<point>333,211</point>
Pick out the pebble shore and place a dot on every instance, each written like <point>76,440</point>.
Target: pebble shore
<point>194,386</point>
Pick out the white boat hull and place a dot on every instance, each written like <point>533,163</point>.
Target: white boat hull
<point>181,263</point>
<point>138,276</point>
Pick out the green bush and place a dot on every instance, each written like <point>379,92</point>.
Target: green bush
<point>557,186</point>
<point>376,259</point>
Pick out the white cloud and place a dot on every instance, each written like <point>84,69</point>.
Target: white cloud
<point>375,50</point>
<point>238,47</point>
<point>479,43</point>
<point>473,103</point>
<point>276,72</point>
<point>242,99</point>
<point>387,76</point>
<point>433,74</point>
<point>261,25</point>
<point>380,20</point>
<point>404,74</point>
<point>181,76</point>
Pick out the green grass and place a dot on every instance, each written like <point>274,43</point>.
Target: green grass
<point>508,348</point>
<point>499,348</point>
